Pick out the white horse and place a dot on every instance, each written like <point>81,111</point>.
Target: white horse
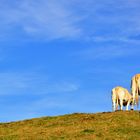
<point>135,89</point>
<point>121,97</point>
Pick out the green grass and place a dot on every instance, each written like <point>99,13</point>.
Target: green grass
<point>121,125</point>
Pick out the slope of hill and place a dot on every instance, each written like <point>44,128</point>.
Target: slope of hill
<point>79,126</point>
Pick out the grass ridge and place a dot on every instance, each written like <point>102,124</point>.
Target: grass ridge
<point>122,125</point>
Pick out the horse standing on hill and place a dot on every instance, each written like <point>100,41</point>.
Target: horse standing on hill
<point>135,89</point>
<point>120,97</point>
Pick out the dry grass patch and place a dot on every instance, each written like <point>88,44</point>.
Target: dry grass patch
<point>103,126</point>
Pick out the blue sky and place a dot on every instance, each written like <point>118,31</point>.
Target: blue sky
<point>60,57</point>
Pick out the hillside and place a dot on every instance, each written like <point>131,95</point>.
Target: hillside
<point>117,125</point>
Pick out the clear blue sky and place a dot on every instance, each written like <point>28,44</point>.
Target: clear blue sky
<point>59,56</point>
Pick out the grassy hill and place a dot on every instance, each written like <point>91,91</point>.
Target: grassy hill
<point>121,125</point>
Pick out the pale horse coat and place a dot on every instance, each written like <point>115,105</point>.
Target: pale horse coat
<point>120,97</point>
<point>135,89</point>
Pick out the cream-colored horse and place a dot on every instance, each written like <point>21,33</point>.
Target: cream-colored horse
<point>120,97</point>
<point>135,89</point>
